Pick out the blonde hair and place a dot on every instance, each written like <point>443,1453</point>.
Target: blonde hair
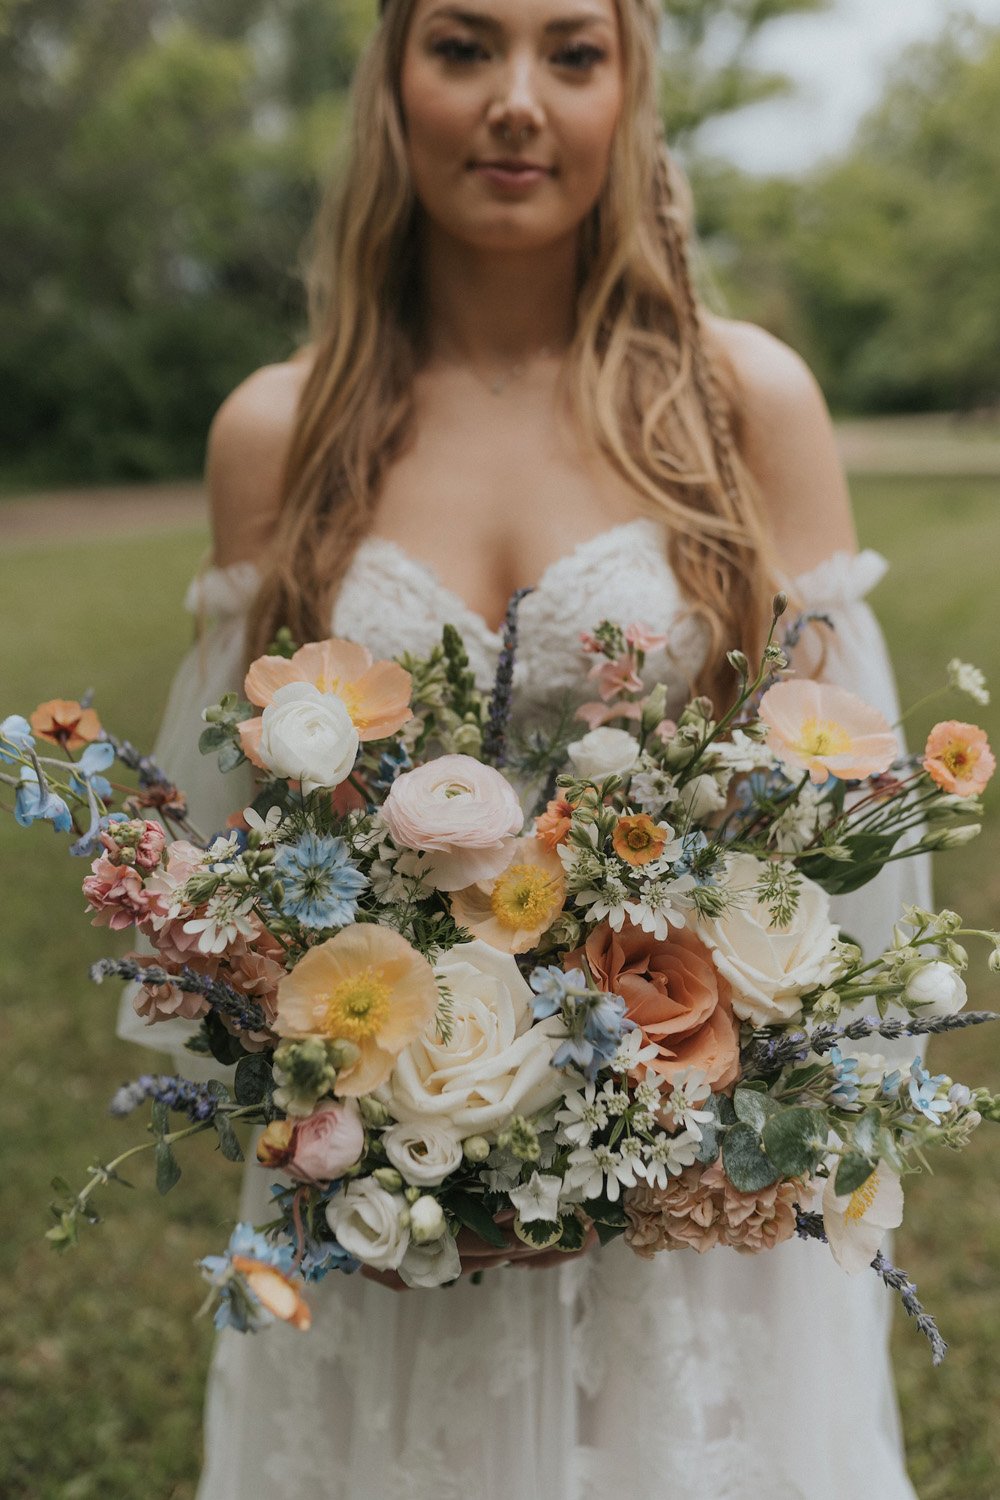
<point>645,388</point>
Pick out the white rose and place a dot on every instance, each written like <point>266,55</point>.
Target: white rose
<point>432,1264</point>
<point>496,1062</point>
<point>703,795</point>
<point>370,1224</point>
<point>938,989</point>
<point>604,752</point>
<point>424,1155</point>
<point>426,1220</point>
<point>308,736</point>
<point>770,967</point>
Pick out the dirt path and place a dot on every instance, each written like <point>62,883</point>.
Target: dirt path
<point>70,515</point>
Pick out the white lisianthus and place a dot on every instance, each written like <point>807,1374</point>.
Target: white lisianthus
<point>703,795</point>
<point>938,989</point>
<point>769,967</point>
<point>856,1223</point>
<point>538,1199</point>
<point>426,1220</point>
<point>370,1224</point>
<point>432,1264</point>
<point>604,752</point>
<point>496,1062</point>
<point>308,736</point>
<point>423,1154</point>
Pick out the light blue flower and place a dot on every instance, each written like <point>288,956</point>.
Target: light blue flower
<point>555,987</point>
<point>924,1096</point>
<point>321,884</point>
<point>31,804</point>
<point>889,1087</point>
<point>846,1081</point>
<point>238,1307</point>
<point>17,732</point>
<point>96,758</point>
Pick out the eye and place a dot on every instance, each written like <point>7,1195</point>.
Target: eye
<point>455,50</point>
<point>580,57</point>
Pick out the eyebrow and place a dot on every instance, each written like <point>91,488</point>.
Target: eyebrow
<point>478,21</point>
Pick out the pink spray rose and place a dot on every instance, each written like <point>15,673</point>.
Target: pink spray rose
<point>464,814</point>
<point>326,1143</point>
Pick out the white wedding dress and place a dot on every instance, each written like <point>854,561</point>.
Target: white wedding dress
<point>720,1376</point>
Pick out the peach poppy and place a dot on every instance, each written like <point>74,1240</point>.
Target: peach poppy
<point>827,731</point>
<point>553,825</point>
<point>275,1291</point>
<point>368,986</point>
<point>376,695</point>
<point>638,840</point>
<point>675,995</point>
<point>513,909</point>
<point>959,759</point>
<point>62,721</point>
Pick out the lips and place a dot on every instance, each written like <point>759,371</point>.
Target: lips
<point>511,164</point>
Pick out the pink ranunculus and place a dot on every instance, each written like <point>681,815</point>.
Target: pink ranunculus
<point>116,894</point>
<point>326,1143</point>
<point>464,814</point>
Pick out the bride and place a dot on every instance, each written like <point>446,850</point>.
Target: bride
<point>511,382</point>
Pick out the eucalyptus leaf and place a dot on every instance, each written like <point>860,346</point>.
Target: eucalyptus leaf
<point>795,1140</point>
<point>228,1140</point>
<point>869,852</point>
<point>747,1168</point>
<point>754,1108</point>
<point>161,1117</point>
<point>230,756</point>
<point>225,1047</point>
<point>211,738</point>
<point>253,1081</point>
<point>168,1172</point>
<point>853,1171</point>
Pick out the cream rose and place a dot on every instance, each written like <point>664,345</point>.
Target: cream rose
<point>370,1224</point>
<point>463,814</point>
<point>308,736</point>
<point>424,1155</point>
<point>604,752</point>
<point>496,1062</point>
<point>770,967</point>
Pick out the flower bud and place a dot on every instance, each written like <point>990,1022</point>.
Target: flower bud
<point>994,961</point>
<point>426,1220</point>
<point>477,1147</point>
<point>344,1053</point>
<point>275,1144</point>
<point>778,605</point>
<point>953,838</point>
<point>373,1111</point>
<point>388,1178</point>
<point>739,663</point>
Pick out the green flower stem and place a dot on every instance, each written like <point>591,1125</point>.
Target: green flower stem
<point>102,1174</point>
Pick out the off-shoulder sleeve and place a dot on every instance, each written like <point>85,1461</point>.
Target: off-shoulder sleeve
<point>857,658</point>
<point>218,598</point>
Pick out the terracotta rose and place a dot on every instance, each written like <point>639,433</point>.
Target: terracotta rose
<point>675,995</point>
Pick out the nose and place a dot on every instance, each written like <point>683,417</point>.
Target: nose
<point>517,111</point>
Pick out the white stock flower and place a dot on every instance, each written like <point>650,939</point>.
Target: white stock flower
<point>538,1199</point>
<point>431,1264</point>
<point>603,752</point>
<point>938,989</point>
<point>423,1154</point>
<point>495,1063</point>
<point>856,1223</point>
<point>769,967</point>
<point>370,1223</point>
<point>308,736</point>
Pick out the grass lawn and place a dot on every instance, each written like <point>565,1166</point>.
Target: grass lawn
<point>101,1363</point>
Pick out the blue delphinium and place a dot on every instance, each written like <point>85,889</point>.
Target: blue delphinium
<point>321,1256</point>
<point>31,803</point>
<point>16,731</point>
<point>96,758</point>
<point>923,1092</point>
<point>846,1081</point>
<point>321,884</point>
<point>238,1307</point>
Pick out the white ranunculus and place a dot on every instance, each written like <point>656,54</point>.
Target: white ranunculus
<point>308,736</point>
<point>432,1264</point>
<point>604,752</point>
<point>770,967</point>
<point>496,1062</point>
<point>938,989</point>
<point>423,1154</point>
<point>370,1224</point>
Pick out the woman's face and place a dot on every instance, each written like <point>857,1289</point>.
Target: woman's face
<point>510,108</point>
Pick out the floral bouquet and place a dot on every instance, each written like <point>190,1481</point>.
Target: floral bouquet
<point>533,992</point>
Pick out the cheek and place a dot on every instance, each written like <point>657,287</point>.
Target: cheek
<point>439,120</point>
<point>590,133</point>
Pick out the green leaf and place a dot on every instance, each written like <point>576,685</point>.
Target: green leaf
<point>869,852</point>
<point>800,1078</point>
<point>541,1234</point>
<point>161,1117</point>
<point>866,1132</point>
<point>230,756</point>
<point>851,1173</point>
<point>60,1185</point>
<point>228,1140</point>
<point>253,1081</point>
<point>747,1168</point>
<point>470,1212</point>
<point>608,1232</point>
<point>168,1172</point>
<point>211,738</point>
<point>573,1232</point>
<point>754,1108</point>
<point>225,1047</point>
<point>795,1140</point>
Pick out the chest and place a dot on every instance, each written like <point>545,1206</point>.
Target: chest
<point>495,487</point>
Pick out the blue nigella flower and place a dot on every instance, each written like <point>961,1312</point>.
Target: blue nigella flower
<point>96,758</point>
<point>31,804</point>
<point>923,1092</point>
<point>321,883</point>
<point>692,845</point>
<point>17,732</point>
<point>846,1081</point>
<point>238,1307</point>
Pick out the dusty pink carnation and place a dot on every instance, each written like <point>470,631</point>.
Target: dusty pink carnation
<point>700,1208</point>
<point>464,814</point>
<point>116,893</point>
<point>326,1143</point>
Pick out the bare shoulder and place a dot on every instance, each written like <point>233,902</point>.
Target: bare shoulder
<point>247,444</point>
<point>788,443</point>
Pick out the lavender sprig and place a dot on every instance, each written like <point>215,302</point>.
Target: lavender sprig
<point>495,737</point>
<point>197,1100</point>
<point>809,1226</point>
<point>247,1014</point>
<point>771,1053</point>
<point>150,773</point>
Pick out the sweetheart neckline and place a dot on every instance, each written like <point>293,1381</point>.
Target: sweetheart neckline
<point>495,636</point>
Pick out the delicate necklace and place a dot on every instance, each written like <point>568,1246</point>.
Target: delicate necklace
<point>497,384</point>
